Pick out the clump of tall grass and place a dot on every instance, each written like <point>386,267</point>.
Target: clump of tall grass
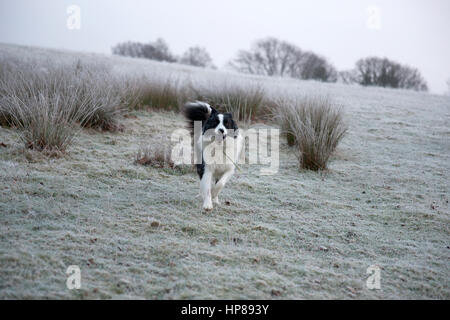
<point>47,101</point>
<point>44,120</point>
<point>246,104</point>
<point>156,155</point>
<point>315,125</point>
<point>105,95</point>
<point>159,155</point>
<point>159,94</point>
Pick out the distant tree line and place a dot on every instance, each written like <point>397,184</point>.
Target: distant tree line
<point>274,57</point>
<point>382,72</point>
<point>197,56</point>
<point>159,51</point>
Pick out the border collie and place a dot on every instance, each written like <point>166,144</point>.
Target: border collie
<point>221,127</point>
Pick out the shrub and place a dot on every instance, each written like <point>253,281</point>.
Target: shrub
<point>316,127</point>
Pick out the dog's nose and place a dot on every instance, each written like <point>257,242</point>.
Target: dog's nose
<point>221,131</point>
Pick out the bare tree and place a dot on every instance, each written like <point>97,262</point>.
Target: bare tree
<point>315,67</point>
<point>197,56</point>
<point>129,49</point>
<point>374,71</point>
<point>267,57</point>
<point>158,50</point>
<point>273,57</point>
<point>410,78</point>
<point>348,77</point>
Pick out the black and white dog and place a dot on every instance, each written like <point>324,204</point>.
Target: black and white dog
<point>213,176</point>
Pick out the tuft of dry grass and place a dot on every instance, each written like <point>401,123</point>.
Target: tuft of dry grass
<point>159,94</point>
<point>314,126</point>
<point>246,104</point>
<point>47,102</point>
<point>158,155</point>
<point>155,155</point>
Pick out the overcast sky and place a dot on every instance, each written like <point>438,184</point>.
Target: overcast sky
<point>415,32</point>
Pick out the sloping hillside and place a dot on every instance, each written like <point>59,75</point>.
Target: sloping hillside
<point>139,232</point>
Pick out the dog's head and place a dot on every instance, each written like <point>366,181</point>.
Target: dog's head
<point>221,123</point>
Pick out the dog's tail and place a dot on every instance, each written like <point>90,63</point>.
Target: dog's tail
<point>197,111</point>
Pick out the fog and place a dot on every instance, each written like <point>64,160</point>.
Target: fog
<point>411,32</point>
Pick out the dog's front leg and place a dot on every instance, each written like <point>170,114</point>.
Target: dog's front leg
<point>205,190</point>
<point>219,186</point>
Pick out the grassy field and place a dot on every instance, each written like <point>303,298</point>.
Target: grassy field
<point>139,232</point>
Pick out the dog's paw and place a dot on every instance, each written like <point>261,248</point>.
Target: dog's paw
<point>207,207</point>
<point>216,201</point>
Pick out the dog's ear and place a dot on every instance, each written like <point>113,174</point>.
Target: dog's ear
<point>235,127</point>
<point>213,111</point>
<point>233,123</point>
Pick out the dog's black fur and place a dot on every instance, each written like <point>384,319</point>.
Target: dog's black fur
<point>213,121</point>
<point>197,111</point>
<point>209,116</point>
<point>214,175</point>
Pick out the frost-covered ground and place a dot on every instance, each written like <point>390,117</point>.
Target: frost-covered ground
<point>139,232</point>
